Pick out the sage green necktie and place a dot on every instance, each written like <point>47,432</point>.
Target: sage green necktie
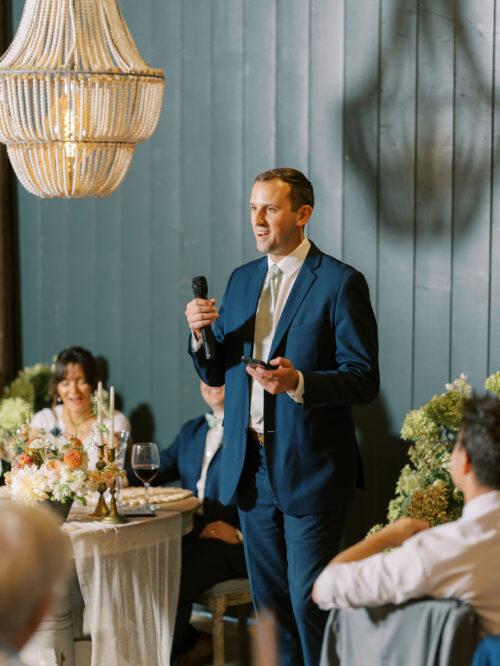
<point>264,322</point>
<point>264,331</point>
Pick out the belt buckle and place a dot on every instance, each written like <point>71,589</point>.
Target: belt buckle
<point>256,436</point>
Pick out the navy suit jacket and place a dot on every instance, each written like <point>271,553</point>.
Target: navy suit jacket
<point>183,460</point>
<point>328,330</point>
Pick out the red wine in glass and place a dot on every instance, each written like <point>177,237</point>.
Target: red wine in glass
<point>145,463</point>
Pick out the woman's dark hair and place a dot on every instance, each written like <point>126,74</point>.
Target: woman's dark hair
<point>77,355</point>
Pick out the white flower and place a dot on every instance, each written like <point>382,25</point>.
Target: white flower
<point>28,485</point>
<point>38,443</point>
<point>460,385</point>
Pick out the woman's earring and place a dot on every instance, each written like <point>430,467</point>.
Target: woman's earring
<point>58,400</point>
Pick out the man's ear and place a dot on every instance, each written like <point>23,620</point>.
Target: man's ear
<point>466,461</point>
<point>303,215</point>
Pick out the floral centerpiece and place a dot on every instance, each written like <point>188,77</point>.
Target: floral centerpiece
<point>27,394</point>
<point>424,489</point>
<point>47,466</point>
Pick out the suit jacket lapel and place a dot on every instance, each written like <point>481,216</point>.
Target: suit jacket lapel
<point>305,280</point>
<point>198,450</point>
<point>253,294</point>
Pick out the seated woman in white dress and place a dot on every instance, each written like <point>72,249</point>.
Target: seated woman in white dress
<point>74,380</point>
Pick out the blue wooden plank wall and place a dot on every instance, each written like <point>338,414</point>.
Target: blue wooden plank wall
<point>389,105</point>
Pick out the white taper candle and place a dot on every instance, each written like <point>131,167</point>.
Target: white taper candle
<point>111,417</point>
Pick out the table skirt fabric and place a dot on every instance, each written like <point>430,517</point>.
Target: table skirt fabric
<point>129,580</point>
<point>130,590</point>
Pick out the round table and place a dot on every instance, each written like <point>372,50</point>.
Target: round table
<point>128,576</point>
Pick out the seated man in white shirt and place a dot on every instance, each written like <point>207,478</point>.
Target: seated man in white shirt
<point>34,556</point>
<point>456,560</point>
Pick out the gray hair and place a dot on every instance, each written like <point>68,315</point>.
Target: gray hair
<point>34,555</point>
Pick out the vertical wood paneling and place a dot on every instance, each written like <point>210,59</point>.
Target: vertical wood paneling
<point>326,122</point>
<point>228,219</point>
<point>135,273</point>
<point>471,209</point>
<point>397,194</point>
<point>292,84</point>
<point>361,124</point>
<point>54,273</point>
<point>360,214</point>
<point>494,323</point>
<point>167,302</point>
<point>388,105</point>
<point>196,168</point>
<point>30,259</point>
<point>80,265</point>
<point>433,216</point>
<point>107,291</point>
<point>259,96</point>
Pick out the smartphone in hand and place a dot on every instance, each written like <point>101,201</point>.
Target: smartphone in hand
<point>257,363</point>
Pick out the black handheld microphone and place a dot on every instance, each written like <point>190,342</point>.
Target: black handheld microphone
<point>200,290</point>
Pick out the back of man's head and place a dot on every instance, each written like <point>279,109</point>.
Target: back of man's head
<point>33,557</point>
<point>480,436</point>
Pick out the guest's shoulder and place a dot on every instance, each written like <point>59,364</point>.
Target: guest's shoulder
<point>334,265</point>
<point>248,269</point>
<point>192,426</point>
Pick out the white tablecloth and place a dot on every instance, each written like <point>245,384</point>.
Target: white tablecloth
<point>129,579</point>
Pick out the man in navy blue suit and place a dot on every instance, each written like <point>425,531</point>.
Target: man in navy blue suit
<point>212,552</point>
<point>289,454</point>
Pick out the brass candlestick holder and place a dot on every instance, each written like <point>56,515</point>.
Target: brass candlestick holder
<point>113,516</point>
<point>101,509</point>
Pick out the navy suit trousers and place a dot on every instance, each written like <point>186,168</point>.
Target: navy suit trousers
<point>284,555</point>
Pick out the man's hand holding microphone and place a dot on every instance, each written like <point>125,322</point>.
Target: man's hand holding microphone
<point>201,313</point>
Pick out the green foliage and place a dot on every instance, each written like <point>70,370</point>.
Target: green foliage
<point>424,488</point>
<point>28,393</point>
<point>492,384</point>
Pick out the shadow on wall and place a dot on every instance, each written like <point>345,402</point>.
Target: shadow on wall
<point>383,456</point>
<point>433,152</point>
<point>143,424</point>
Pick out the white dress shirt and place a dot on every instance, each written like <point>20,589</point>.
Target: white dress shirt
<point>290,266</point>
<point>212,445</point>
<point>458,560</point>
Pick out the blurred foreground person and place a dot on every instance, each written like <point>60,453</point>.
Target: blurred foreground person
<point>34,557</point>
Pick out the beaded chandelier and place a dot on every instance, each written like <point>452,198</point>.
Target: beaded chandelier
<point>75,98</point>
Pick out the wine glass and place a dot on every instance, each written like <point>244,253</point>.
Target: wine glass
<point>145,463</point>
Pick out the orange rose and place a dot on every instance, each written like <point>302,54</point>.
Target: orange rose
<point>52,464</point>
<point>73,459</point>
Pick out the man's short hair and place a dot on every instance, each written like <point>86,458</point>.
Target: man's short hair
<point>480,437</point>
<point>33,557</point>
<point>301,190</point>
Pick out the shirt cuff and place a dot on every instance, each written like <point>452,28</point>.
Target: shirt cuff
<point>195,344</point>
<point>298,394</point>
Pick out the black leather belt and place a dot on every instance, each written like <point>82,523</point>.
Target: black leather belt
<point>255,436</point>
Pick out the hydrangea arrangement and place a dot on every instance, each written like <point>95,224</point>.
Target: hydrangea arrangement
<point>27,394</point>
<point>47,466</point>
<point>424,489</point>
